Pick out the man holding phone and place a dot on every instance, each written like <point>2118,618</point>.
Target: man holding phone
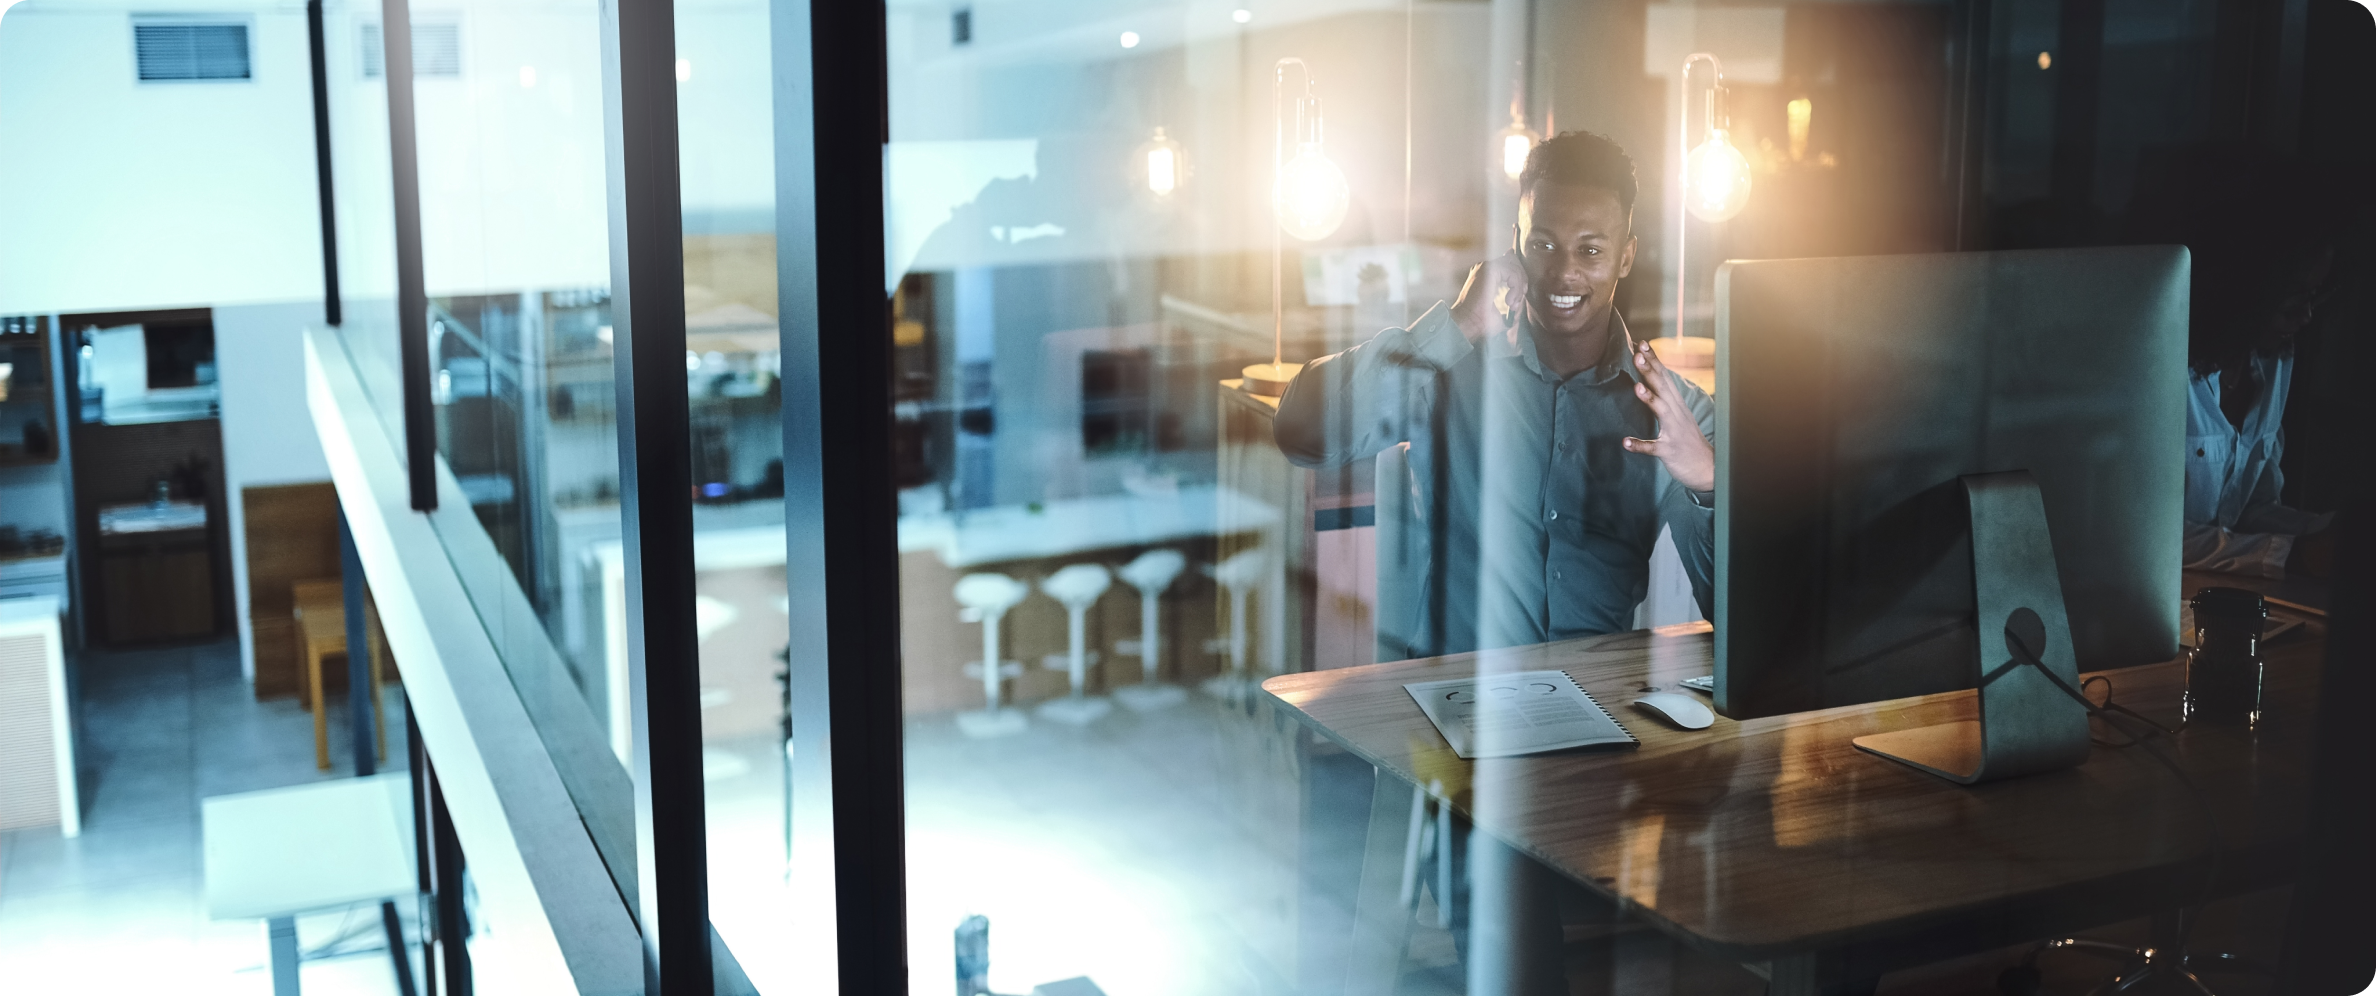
<point>1547,446</point>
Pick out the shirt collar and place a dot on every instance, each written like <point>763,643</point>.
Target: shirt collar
<point>1612,363</point>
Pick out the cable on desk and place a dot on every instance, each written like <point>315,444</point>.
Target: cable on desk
<point>2111,706</point>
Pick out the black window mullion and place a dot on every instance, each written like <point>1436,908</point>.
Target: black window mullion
<point>655,487</point>
<point>412,295</point>
<point>841,530</point>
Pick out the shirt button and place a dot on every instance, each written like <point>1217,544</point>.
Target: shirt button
<point>1555,514</point>
<point>2198,452</point>
<point>1558,576</point>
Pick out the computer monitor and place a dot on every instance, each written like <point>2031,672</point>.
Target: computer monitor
<point>1855,393</point>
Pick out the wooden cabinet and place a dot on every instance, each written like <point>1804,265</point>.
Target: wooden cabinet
<point>157,587</point>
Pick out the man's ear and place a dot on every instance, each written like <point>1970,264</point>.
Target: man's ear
<point>1625,262</point>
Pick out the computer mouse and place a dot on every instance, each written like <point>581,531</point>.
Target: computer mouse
<point>1677,708</point>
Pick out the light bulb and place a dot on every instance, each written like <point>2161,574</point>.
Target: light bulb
<point>1716,179</point>
<point>1160,165</point>
<point>1514,144</point>
<point>1311,195</point>
<point>1163,174</point>
<point>1799,114</point>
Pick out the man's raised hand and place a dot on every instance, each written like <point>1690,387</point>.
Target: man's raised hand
<point>1680,446</point>
<point>1489,302</point>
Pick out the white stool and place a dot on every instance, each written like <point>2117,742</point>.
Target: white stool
<point>1151,573</point>
<point>1241,576</point>
<point>986,598</point>
<point>1077,587</point>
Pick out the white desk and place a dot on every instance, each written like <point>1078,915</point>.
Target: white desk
<point>1076,525</point>
<point>274,854</point>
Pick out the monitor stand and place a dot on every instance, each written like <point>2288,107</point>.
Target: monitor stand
<point>2026,724</point>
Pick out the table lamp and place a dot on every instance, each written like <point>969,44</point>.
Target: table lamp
<point>1309,197</point>
<point>1715,180</point>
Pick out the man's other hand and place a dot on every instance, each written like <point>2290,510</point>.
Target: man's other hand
<point>1680,446</point>
<point>1489,302</point>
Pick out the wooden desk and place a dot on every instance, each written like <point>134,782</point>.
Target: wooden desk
<point>320,610</point>
<point>1774,842</point>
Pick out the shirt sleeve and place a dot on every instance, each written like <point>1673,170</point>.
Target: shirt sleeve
<point>2265,510</point>
<point>1350,405</point>
<point>2210,548</point>
<point>1691,515</point>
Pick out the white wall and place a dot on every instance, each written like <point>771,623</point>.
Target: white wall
<point>117,194</point>
<point>268,434</point>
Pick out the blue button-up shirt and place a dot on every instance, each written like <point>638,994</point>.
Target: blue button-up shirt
<point>1546,523</point>
<point>2235,520</point>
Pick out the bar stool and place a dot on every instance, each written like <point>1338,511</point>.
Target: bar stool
<point>1241,576</point>
<point>1151,574</point>
<point>1077,587</point>
<point>986,598</point>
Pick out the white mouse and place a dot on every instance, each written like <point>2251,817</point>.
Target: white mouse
<point>1677,708</point>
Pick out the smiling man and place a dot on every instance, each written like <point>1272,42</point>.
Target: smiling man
<point>1547,446</point>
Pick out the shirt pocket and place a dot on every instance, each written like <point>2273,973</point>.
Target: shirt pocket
<point>2207,464</point>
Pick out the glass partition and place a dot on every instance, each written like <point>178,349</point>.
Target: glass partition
<point>727,159</point>
<point>514,245</point>
<point>1243,351</point>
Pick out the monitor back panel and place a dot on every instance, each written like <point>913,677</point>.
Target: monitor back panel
<point>1854,392</point>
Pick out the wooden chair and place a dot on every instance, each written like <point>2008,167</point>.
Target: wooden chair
<point>320,610</point>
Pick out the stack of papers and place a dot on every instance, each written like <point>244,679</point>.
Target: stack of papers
<point>1515,714</point>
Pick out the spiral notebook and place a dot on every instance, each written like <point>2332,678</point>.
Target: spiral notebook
<point>1516,714</point>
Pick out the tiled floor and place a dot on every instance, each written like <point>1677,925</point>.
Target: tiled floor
<point>121,908</point>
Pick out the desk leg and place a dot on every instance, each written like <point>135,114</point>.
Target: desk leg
<point>284,954</point>
<point>398,950</point>
<point>1381,923</point>
<point>1514,932</point>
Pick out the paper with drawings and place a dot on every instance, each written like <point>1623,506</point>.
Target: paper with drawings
<point>1523,712</point>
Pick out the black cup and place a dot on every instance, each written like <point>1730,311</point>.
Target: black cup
<point>2223,675</point>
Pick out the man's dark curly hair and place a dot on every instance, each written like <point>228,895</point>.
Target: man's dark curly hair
<point>1583,159</point>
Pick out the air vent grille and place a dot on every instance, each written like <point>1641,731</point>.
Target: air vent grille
<point>437,50</point>
<point>182,51</point>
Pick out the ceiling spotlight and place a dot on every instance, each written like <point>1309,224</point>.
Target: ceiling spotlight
<point>1241,15</point>
<point>1130,39</point>
<point>684,70</point>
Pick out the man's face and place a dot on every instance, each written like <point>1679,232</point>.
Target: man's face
<point>2299,290</point>
<point>1576,243</point>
